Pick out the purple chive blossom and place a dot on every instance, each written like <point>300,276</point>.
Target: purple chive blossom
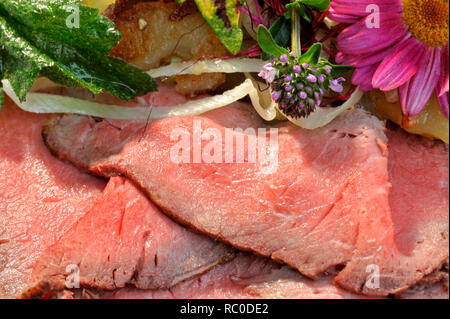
<point>283,105</point>
<point>297,69</point>
<point>308,89</point>
<point>321,78</point>
<point>293,53</point>
<point>321,91</point>
<point>288,88</point>
<point>312,102</point>
<point>305,65</point>
<point>284,58</point>
<point>314,70</point>
<point>317,95</point>
<point>311,78</point>
<point>303,95</point>
<point>288,96</point>
<point>276,95</point>
<point>336,85</point>
<point>328,69</point>
<point>300,86</point>
<point>302,105</point>
<point>318,102</point>
<point>288,78</point>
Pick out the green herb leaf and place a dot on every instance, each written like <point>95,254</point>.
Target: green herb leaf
<point>313,55</point>
<point>69,44</point>
<point>268,44</point>
<point>281,33</point>
<point>223,17</point>
<point>304,12</point>
<point>340,69</point>
<point>321,5</point>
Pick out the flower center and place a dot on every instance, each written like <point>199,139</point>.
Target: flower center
<point>427,20</point>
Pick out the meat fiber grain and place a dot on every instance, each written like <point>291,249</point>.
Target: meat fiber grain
<point>40,197</point>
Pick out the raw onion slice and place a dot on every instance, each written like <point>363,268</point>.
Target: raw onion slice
<point>209,66</point>
<point>49,103</point>
<point>268,109</point>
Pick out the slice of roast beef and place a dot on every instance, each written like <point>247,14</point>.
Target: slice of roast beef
<point>245,277</point>
<point>326,204</point>
<point>40,196</point>
<point>419,199</point>
<point>124,240</point>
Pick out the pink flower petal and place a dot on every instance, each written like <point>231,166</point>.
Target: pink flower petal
<point>363,77</point>
<point>443,83</point>
<point>400,65</point>
<point>350,11</point>
<point>443,102</point>
<point>358,39</point>
<point>416,92</point>
<point>365,60</point>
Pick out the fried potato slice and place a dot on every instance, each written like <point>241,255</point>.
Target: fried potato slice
<point>155,32</point>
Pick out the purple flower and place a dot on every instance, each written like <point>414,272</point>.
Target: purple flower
<point>305,65</point>
<point>276,95</point>
<point>300,86</point>
<point>288,88</point>
<point>318,102</point>
<point>328,69</point>
<point>262,74</point>
<point>312,102</point>
<point>314,70</point>
<point>311,78</point>
<point>297,69</point>
<point>303,95</point>
<point>302,105</point>
<point>308,89</point>
<point>288,96</point>
<point>288,78</point>
<point>321,78</point>
<point>336,85</point>
<point>317,95</point>
<point>283,105</point>
<point>284,58</point>
<point>321,91</point>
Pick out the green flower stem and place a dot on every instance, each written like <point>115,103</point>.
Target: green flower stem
<point>296,32</point>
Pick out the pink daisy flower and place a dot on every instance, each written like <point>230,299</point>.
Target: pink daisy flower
<point>397,44</point>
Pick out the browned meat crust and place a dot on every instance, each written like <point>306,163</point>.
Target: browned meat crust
<point>154,32</point>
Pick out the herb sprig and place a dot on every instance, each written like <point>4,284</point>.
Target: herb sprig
<point>36,38</point>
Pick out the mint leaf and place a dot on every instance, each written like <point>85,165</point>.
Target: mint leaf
<point>281,33</point>
<point>35,38</point>
<point>321,5</point>
<point>312,56</point>
<point>304,12</point>
<point>268,44</point>
<point>223,17</point>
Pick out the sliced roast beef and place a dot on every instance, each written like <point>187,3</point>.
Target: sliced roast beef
<point>245,277</point>
<point>326,204</point>
<point>124,240</point>
<point>419,199</point>
<point>40,197</point>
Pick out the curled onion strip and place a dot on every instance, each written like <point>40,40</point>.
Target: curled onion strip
<point>49,103</point>
<point>209,66</point>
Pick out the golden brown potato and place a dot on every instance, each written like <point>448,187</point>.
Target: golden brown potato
<point>155,32</point>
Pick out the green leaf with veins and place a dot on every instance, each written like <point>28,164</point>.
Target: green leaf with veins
<point>312,56</point>
<point>35,39</point>
<point>223,17</point>
<point>281,33</point>
<point>321,5</point>
<point>268,44</point>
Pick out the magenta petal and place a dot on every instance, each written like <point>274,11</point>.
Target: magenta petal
<point>400,65</point>
<point>358,39</point>
<point>361,8</point>
<point>443,83</point>
<point>443,102</point>
<point>416,92</point>
<point>363,77</point>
